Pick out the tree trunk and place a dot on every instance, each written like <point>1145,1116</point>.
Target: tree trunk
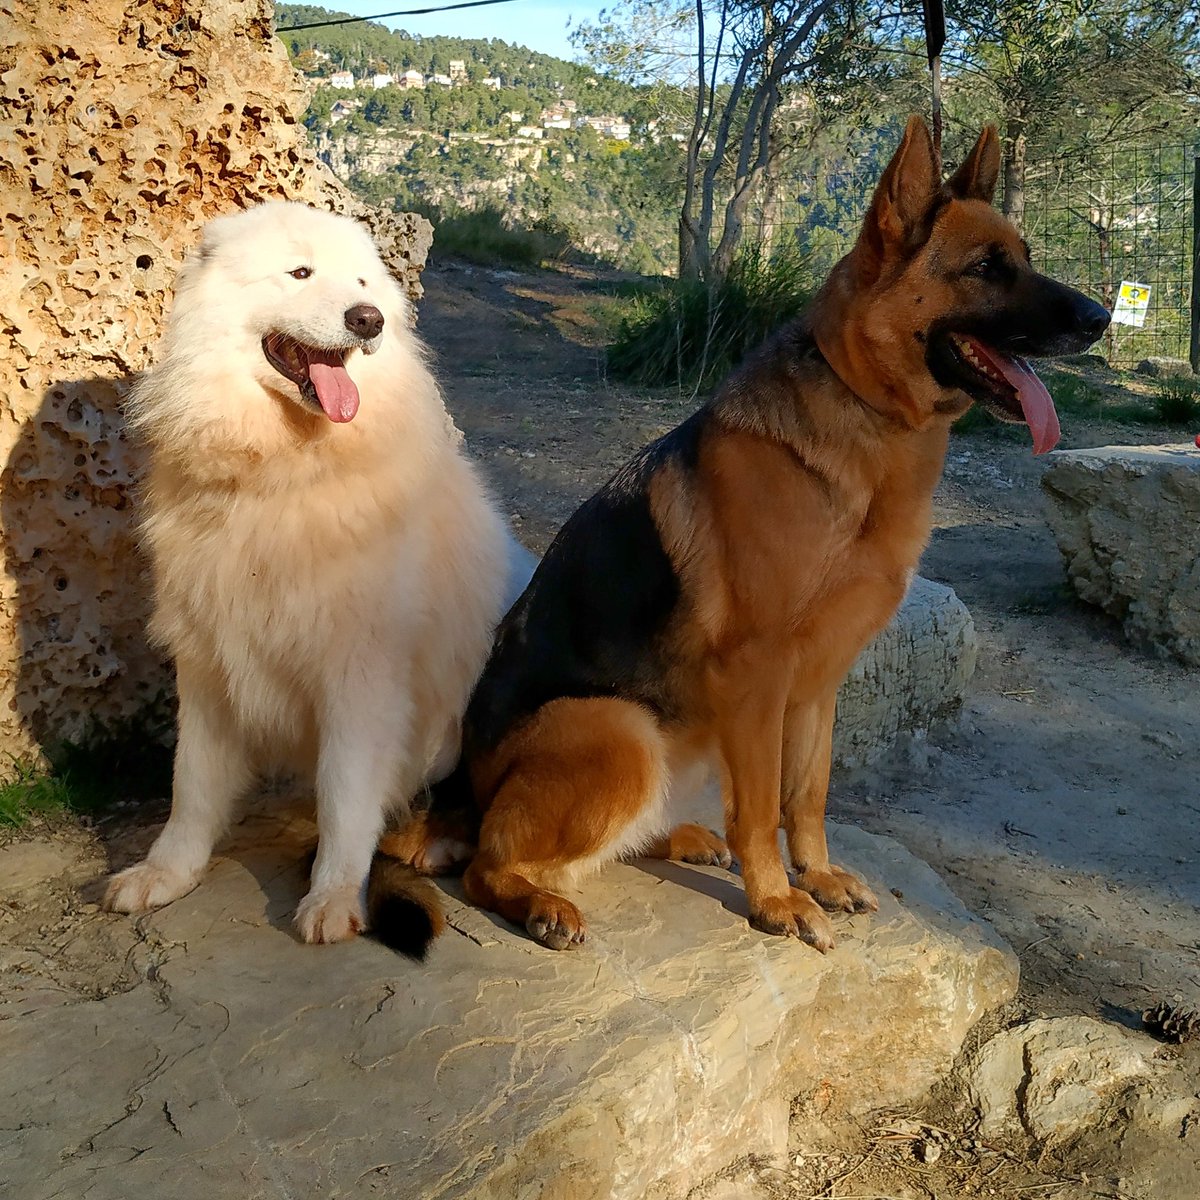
<point>690,237</point>
<point>731,235</point>
<point>691,265</point>
<point>770,187</point>
<point>1101,221</point>
<point>769,213</point>
<point>1013,204</point>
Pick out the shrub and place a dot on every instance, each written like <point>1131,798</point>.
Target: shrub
<point>1177,401</point>
<point>690,333</point>
<point>485,235</point>
<point>1071,393</point>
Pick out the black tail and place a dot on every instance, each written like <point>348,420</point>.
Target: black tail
<point>403,908</point>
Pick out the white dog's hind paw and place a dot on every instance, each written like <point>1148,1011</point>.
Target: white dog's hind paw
<point>144,886</point>
<point>331,916</point>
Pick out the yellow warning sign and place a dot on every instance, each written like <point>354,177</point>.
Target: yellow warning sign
<point>1133,301</point>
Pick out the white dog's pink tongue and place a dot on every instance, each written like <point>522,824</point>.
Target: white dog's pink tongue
<point>1036,402</point>
<point>335,389</point>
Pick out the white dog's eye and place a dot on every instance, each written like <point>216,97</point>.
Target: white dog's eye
<point>301,273</point>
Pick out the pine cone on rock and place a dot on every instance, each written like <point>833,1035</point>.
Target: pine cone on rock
<point>1172,1022</point>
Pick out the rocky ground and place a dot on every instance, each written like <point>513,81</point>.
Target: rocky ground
<point>1061,807</point>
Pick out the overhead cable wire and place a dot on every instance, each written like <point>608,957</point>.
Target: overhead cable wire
<point>402,12</point>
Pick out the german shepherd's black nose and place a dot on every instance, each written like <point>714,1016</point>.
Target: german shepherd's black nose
<point>366,320</point>
<point>1092,318</point>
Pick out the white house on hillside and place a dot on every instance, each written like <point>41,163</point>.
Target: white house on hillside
<point>410,79</point>
<point>342,109</point>
<point>382,81</point>
<point>492,82</point>
<point>610,126</point>
<point>555,117</point>
<point>440,80</point>
<point>341,79</point>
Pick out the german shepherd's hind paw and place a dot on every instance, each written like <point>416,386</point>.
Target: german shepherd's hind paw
<point>794,915</point>
<point>428,846</point>
<point>555,922</point>
<point>836,890</point>
<point>144,886</point>
<point>330,916</point>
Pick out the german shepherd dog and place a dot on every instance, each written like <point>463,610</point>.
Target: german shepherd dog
<point>704,606</point>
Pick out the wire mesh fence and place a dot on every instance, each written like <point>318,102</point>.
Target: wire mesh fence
<point>1119,214</point>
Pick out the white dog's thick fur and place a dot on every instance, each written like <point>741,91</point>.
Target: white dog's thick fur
<point>328,569</point>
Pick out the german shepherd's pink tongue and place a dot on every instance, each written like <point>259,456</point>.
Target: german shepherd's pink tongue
<point>334,387</point>
<point>1036,402</point>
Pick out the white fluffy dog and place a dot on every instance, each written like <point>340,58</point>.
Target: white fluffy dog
<point>328,568</point>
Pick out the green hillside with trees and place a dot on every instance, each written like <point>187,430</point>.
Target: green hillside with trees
<point>459,146</point>
<point>675,146</point>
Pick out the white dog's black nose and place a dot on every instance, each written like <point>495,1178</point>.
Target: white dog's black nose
<point>365,320</point>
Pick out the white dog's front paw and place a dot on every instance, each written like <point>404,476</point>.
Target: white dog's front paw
<point>331,916</point>
<point>145,886</point>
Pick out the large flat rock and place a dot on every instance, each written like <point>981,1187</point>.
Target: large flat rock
<point>1127,521</point>
<point>244,1064</point>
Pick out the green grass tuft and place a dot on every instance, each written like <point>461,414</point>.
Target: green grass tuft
<point>1073,394</point>
<point>1177,401</point>
<point>128,760</point>
<point>29,791</point>
<point>485,235</point>
<point>689,333</point>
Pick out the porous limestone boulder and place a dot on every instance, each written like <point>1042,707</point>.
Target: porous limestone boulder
<point>1127,521</point>
<point>123,128</point>
<point>911,676</point>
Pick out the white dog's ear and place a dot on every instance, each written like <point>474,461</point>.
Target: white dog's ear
<point>213,234</point>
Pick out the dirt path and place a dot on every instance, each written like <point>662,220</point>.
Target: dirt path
<point>1064,807</point>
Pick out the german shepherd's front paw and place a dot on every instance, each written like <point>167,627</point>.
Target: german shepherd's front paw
<point>335,915</point>
<point>145,886</point>
<point>794,915</point>
<point>555,922</point>
<point>836,890</point>
<point>692,844</point>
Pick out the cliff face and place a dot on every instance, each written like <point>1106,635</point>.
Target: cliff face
<point>124,126</point>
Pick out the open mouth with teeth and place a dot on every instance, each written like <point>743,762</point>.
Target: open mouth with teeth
<point>1003,383</point>
<point>319,373</point>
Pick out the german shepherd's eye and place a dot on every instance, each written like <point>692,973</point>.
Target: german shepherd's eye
<point>987,267</point>
<point>301,273</point>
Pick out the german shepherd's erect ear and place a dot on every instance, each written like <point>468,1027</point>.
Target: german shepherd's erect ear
<point>976,178</point>
<point>897,220</point>
<point>937,301</point>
